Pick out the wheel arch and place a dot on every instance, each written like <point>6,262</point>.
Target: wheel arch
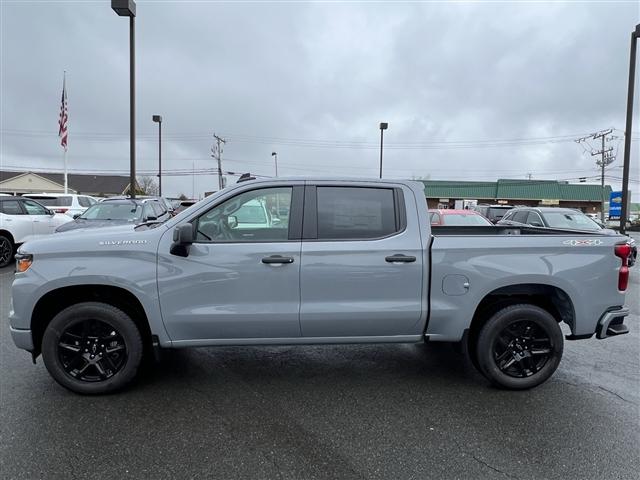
<point>551,298</point>
<point>7,233</point>
<point>54,301</point>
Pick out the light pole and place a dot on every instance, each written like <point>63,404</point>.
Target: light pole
<point>275,156</point>
<point>127,8</point>
<point>627,132</point>
<point>383,127</point>
<point>158,120</point>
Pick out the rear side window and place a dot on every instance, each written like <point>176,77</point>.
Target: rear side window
<point>11,207</point>
<point>355,213</point>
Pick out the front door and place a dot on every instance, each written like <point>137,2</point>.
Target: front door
<point>362,263</point>
<point>240,279</point>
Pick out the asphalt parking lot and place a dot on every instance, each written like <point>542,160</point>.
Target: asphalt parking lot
<point>404,411</point>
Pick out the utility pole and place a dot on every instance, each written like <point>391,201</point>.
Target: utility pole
<point>606,158</point>
<point>217,154</point>
<point>635,35</point>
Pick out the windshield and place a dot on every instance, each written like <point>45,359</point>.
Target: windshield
<point>458,219</point>
<point>573,220</point>
<point>113,211</point>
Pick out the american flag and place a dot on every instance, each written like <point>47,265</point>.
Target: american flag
<point>63,133</point>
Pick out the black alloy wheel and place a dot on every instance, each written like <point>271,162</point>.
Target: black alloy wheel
<point>522,349</point>
<point>92,350</point>
<point>519,347</point>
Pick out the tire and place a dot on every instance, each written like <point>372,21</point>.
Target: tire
<point>519,347</point>
<point>7,249</point>
<point>111,342</point>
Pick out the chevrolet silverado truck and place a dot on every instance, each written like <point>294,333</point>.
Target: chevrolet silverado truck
<point>336,262</point>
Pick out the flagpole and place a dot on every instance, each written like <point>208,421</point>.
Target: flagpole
<point>66,183</point>
<point>64,98</point>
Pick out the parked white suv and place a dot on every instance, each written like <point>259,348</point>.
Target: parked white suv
<point>21,218</point>
<point>67,203</point>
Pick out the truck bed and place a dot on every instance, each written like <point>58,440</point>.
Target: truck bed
<point>481,230</point>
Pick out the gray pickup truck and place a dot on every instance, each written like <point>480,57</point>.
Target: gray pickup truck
<point>301,261</point>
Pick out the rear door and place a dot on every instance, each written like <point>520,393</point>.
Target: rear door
<point>15,220</point>
<point>362,262</point>
<point>41,219</point>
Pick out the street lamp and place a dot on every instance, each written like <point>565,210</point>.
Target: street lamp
<point>127,8</point>
<point>275,156</point>
<point>383,127</point>
<point>627,133</point>
<point>158,119</point>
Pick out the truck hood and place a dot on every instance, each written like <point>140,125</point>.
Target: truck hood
<point>89,240</point>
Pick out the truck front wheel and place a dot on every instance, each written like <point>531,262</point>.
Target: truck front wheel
<point>519,347</point>
<point>92,348</point>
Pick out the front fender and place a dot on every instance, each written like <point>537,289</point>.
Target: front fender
<point>134,271</point>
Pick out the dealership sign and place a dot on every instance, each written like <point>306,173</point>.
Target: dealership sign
<point>615,205</point>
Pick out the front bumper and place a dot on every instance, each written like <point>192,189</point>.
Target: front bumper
<point>22,338</point>
<point>612,324</point>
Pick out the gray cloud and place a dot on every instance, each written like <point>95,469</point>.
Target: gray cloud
<point>331,72</point>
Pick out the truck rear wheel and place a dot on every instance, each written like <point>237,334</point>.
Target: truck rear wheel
<point>519,347</point>
<point>92,348</point>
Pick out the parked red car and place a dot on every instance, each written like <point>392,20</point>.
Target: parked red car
<point>450,217</point>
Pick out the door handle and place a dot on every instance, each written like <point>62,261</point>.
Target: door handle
<point>400,258</point>
<point>277,259</point>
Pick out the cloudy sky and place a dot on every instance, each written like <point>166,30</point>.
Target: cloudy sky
<point>470,91</point>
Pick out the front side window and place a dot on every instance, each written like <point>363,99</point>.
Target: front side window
<point>534,219</point>
<point>520,216</point>
<point>355,213</point>
<point>34,208</point>
<point>86,201</point>
<point>257,215</point>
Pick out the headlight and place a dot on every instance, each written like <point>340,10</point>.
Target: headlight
<point>23,262</point>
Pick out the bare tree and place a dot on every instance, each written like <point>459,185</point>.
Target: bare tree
<point>147,185</point>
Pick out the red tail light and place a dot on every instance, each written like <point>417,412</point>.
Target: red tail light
<point>60,210</point>
<point>623,251</point>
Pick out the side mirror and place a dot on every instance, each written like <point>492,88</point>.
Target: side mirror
<point>51,212</point>
<point>182,240</point>
<point>76,215</point>
<point>151,218</point>
<point>232,221</point>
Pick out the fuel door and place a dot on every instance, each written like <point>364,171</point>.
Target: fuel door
<point>455,285</point>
